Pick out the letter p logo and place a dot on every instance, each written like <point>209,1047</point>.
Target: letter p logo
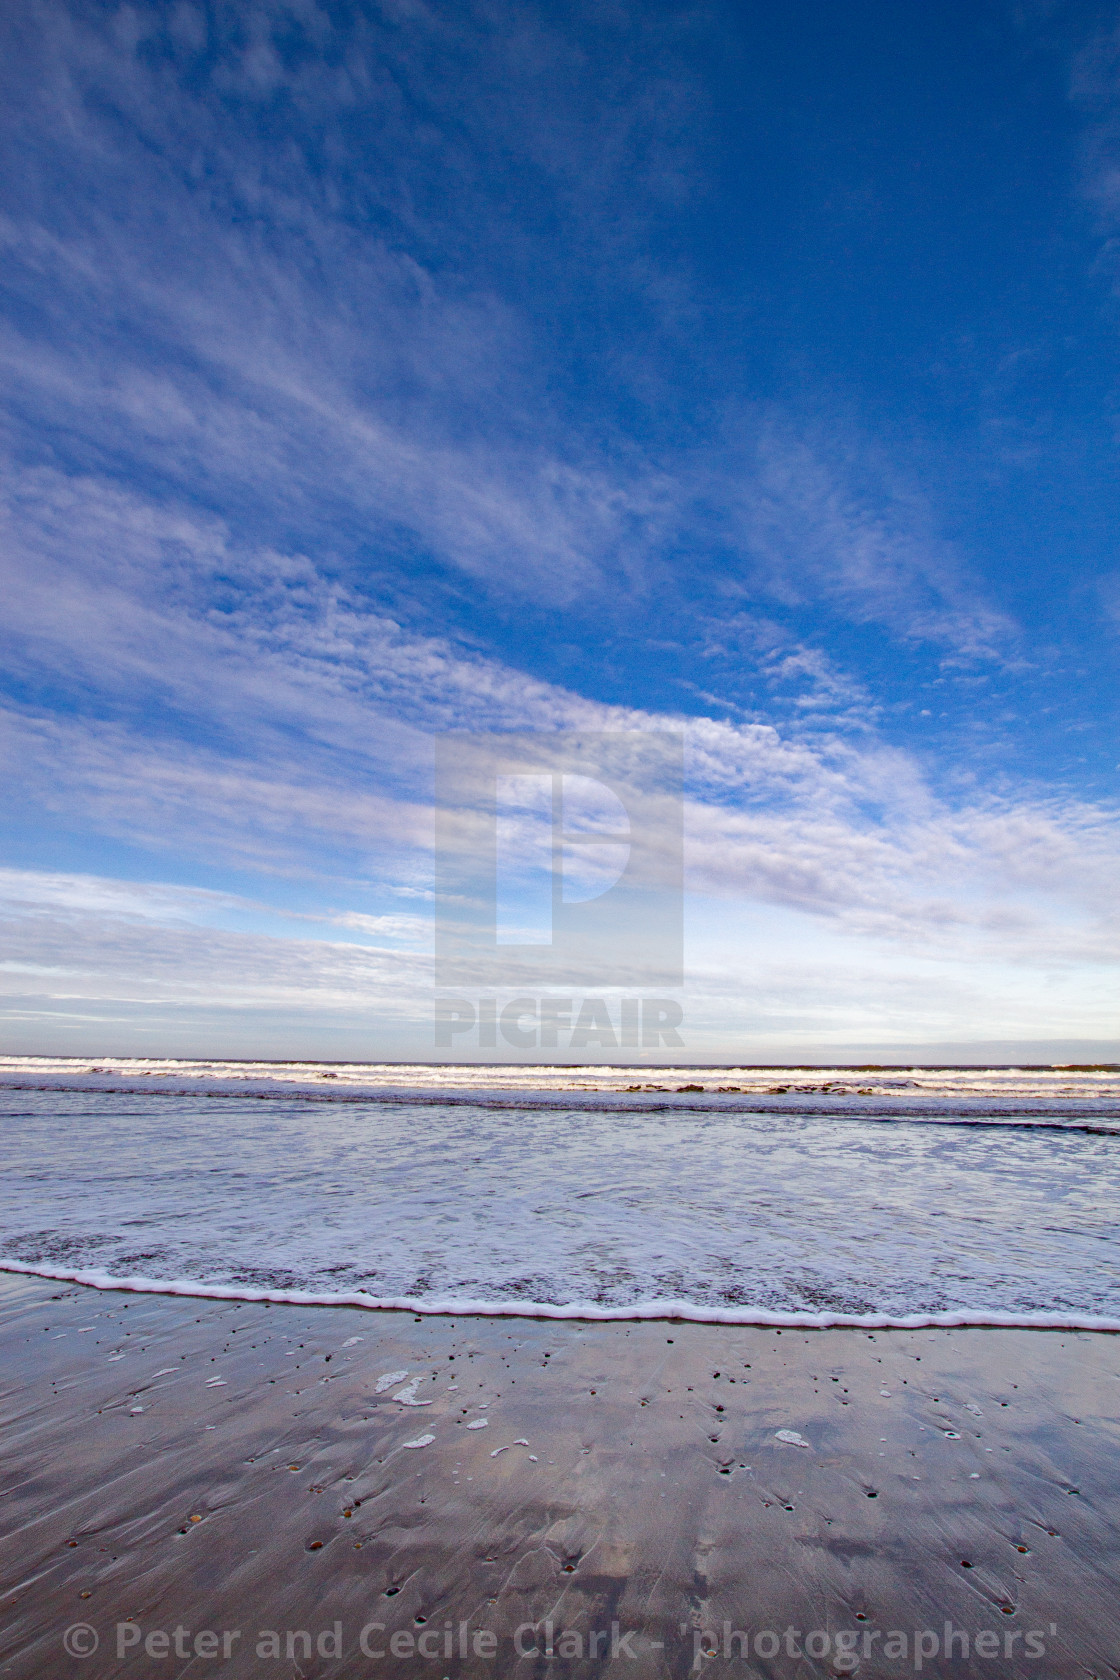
<point>559,862</point>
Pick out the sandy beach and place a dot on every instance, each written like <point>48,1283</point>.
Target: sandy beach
<point>197,1487</point>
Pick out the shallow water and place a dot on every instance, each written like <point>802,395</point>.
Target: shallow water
<point>823,1204</point>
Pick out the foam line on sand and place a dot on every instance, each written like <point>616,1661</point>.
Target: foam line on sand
<point>664,1310</point>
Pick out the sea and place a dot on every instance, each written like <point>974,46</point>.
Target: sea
<point>799,1196</point>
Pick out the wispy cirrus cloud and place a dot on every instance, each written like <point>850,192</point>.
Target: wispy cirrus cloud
<point>267,352</point>
<point>311,703</point>
<point>830,521</point>
<point>205,314</point>
<point>310,718</point>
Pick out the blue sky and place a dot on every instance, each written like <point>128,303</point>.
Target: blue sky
<point>378,370</point>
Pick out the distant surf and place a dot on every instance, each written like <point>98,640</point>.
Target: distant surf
<point>1059,1085</point>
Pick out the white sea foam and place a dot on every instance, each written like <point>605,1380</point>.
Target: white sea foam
<point>683,1311</point>
<point>587,1207</point>
<point>407,1395</point>
<point>1000,1085</point>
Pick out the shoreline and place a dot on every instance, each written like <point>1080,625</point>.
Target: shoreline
<point>658,1311</point>
<point>234,1467</point>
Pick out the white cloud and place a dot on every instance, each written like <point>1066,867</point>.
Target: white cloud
<point>829,519</point>
<point>309,376</point>
<point>27,890</point>
<point>310,718</point>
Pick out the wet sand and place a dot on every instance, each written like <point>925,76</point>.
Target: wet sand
<point>216,1488</point>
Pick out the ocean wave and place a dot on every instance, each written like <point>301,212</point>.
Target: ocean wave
<point>666,1311</point>
<point>1053,1085</point>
